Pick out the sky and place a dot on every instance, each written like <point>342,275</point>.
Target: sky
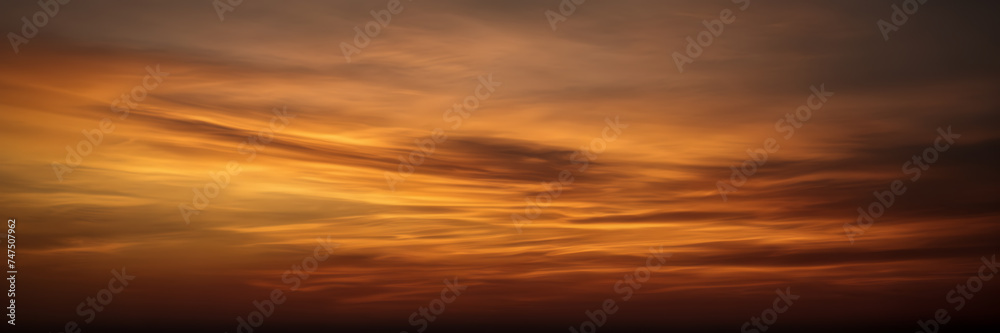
<point>581,147</point>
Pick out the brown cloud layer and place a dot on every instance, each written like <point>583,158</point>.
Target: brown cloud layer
<point>324,173</point>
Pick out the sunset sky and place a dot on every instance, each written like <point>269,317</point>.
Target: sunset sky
<point>346,125</point>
